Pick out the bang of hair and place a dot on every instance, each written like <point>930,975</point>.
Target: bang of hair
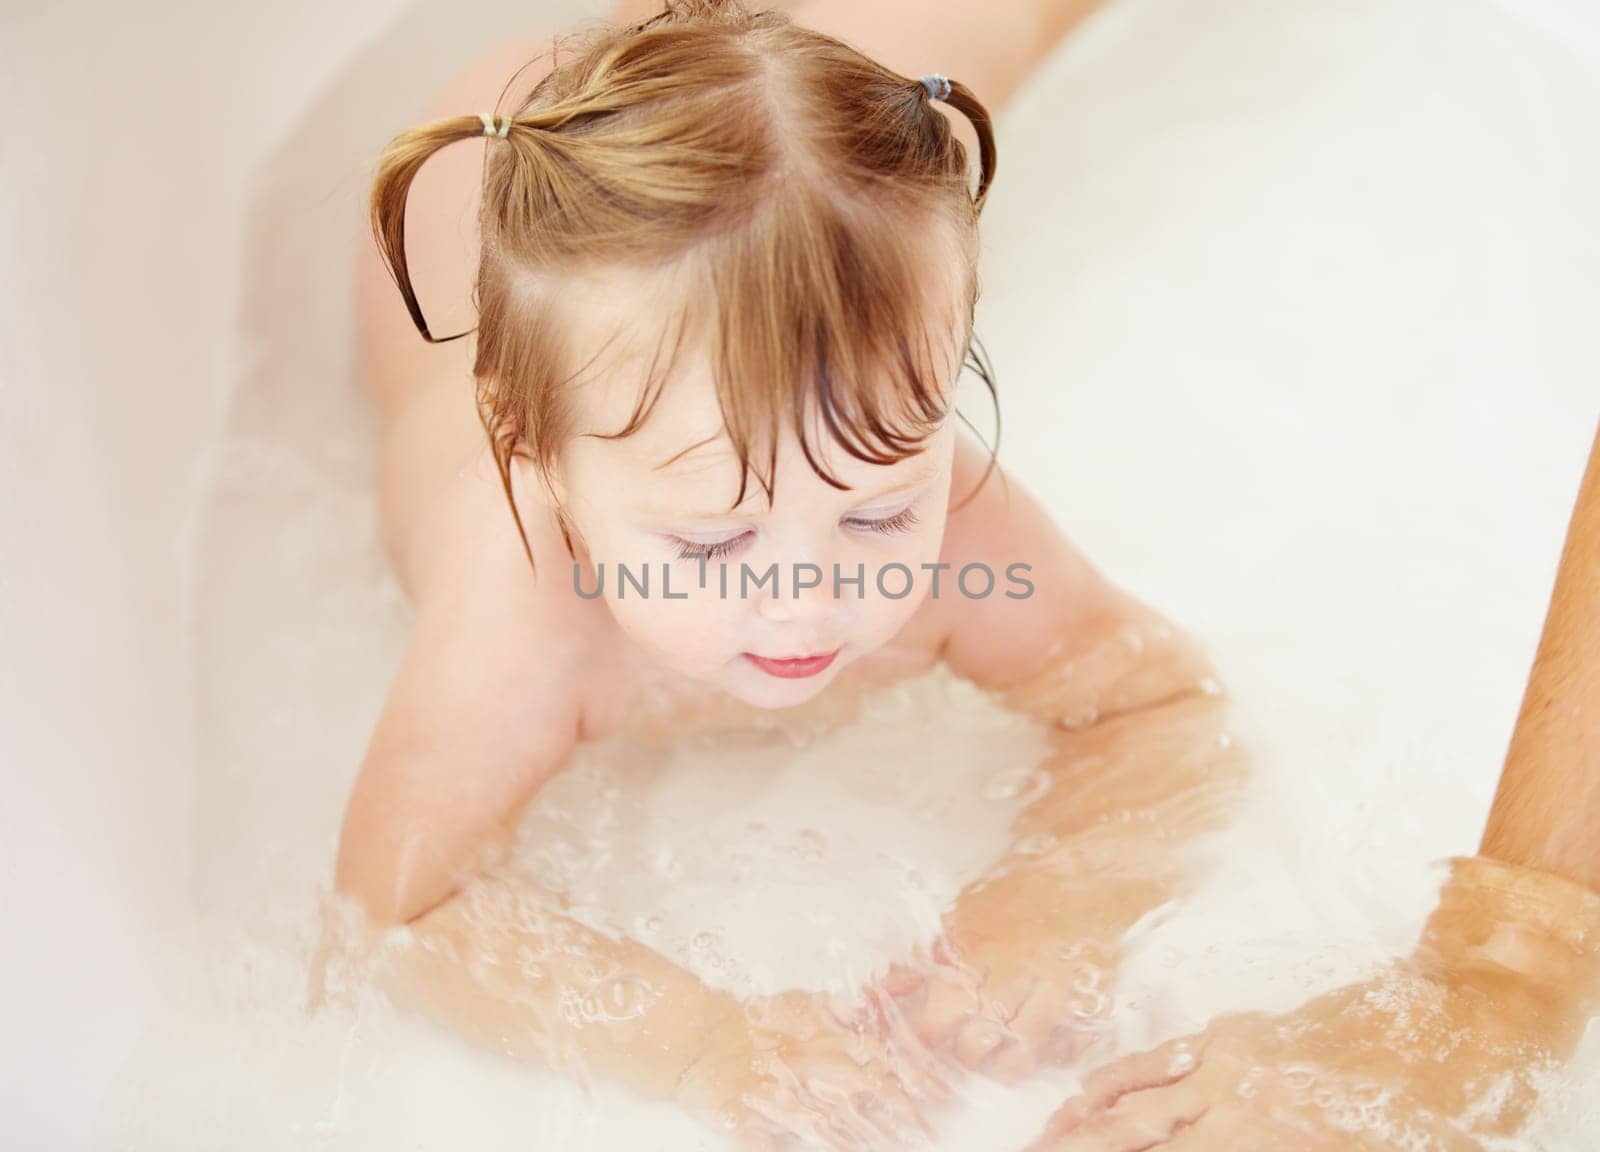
<point>824,319</point>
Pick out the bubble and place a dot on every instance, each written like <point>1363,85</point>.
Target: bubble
<point>1298,1077</point>
<point>1024,785</point>
<point>1090,1006</point>
<point>1086,978</point>
<point>1369,1094</point>
<point>626,997</point>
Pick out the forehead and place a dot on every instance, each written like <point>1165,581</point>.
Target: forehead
<point>640,346</point>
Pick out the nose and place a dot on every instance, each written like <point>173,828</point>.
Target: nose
<point>804,595</point>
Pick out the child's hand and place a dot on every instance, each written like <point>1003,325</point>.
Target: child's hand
<point>796,1072</point>
<point>994,1008</point>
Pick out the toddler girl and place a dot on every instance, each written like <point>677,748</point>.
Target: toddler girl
<point>726,287</point>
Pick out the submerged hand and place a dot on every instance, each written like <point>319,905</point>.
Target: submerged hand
<point>1002,1006</point>
<point>800,1070</point>
<point>1438,1051</point>
<point>1024,973</point>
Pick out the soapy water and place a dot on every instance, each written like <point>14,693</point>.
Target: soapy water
<point>767,866</point>
<point>756,861</point>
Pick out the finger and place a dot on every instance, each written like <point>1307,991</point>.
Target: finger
<point>1227,1127</point>
<point>854,1094</point>
<point>1010,1063</point>
<point>1047,1031</point>
<point>1151,1118</point>
<point>791,1104</point>
<point>945,1005</point>
<point>901,980</point>
<point>896,1115</point>
<point>878,1116</point>
<point>925,1074</point>
<point>976,1038</point>
<point>1160,1066</point>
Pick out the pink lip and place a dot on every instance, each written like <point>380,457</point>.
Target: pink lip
<point>795,668</point>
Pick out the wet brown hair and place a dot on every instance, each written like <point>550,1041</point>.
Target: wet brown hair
<point>797,195</point>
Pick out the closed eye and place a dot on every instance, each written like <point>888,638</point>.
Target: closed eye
<point>694,550</point>
<point>901,521</point>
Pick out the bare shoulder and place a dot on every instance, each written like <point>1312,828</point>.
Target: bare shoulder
<point>1063,640</point>
<point>1028,586</point>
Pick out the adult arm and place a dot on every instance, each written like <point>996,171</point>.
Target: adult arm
<point>1546,811</point>
<point>1460,1036</point>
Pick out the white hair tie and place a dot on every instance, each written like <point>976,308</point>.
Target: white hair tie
<point>489,125</point>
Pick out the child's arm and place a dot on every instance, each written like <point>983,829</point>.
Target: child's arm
<point>1143,764</point>
<point>482,711</point>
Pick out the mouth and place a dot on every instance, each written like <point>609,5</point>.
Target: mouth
<point>794,667</point>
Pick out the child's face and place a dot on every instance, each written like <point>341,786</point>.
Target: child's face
<point>631,514</point>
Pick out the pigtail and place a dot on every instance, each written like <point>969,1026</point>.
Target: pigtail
<point>397,168</point>
<point>960,97</point>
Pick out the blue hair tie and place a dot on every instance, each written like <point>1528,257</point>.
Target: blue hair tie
<point>937,86</point>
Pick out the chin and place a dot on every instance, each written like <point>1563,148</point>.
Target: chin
<point>756,688</point>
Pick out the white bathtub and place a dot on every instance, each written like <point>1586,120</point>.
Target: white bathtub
<point>1293,315</point>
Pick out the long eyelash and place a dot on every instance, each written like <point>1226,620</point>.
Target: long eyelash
<point>689,550</point>
<point>900,522</point>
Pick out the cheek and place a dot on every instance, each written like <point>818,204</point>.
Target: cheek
<point>882,616</point>
<point>698,632</point>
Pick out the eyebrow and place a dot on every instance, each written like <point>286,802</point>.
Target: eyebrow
<point>920,476</point>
